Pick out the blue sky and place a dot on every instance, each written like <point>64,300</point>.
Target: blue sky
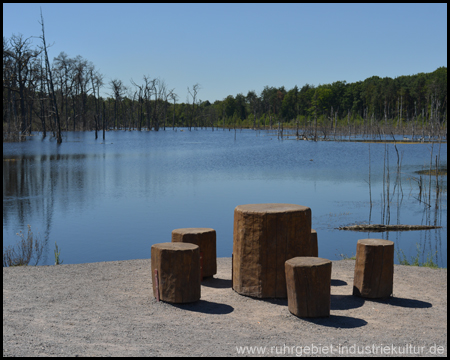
<point>233,48</point>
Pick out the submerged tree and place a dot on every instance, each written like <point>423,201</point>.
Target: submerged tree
<point>193,93</point>
<point>55,105</point>
<point>66,95</point>
<point>17,77</point>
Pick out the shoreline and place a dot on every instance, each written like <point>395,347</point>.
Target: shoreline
<point>225,257</point>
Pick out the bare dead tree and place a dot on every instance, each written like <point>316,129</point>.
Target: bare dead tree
<point>97,82</point>
<point>118,90</point>
<point>55,105</point>
<point>140,114</point>
<point>149,88</point>
<point>41,114</point>
<point>32,89</point>
<point>19,57</point>
<point>165,94</point>
<point>193,93</point>
<point>82,80</point>
<point>63,67</point>
<point>158,108</point>
<point>174,97</point>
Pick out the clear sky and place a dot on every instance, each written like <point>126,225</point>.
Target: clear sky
<point>233,48</point>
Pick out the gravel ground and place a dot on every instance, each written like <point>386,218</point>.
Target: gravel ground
<point>108,309</point>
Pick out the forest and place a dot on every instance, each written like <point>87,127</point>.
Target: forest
<point>64,95</point>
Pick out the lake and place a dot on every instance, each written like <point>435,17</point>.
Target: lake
<point>111,200</point>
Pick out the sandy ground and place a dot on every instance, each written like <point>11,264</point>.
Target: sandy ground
<point>108,309</point>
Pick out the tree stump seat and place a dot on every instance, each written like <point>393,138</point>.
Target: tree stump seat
<point>205,239</point>
<point>374,268</point>
<point>264,237</point>
<point>308,282</point>
<point>178,272</point>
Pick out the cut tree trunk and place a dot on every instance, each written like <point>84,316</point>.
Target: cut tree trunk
<point>205,238</point>
<point>178,271</point>
<point>265,236</point>
<point>374,268</point>
<point>308,281</point>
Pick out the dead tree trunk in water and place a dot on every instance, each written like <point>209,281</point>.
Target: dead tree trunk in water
<point>348,124</point>
<point>55,105</point>
<point>174,98</point>
<point>103,120</point>
<point>42,103</point>
<point>194,93</point>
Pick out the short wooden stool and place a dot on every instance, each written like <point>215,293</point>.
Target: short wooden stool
<point>374,268</point>
<point>308,282</point>
<point>205,238</point>
<point>264,237</point>
<point>314,243</point>
<point>177,278</point>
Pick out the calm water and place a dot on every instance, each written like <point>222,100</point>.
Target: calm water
<point>105,201</point>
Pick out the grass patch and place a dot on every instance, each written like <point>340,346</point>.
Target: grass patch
<point>415,259</point>
<point>346,257</point>
<point>29,247</point>
<point>402,259</point>
<point>58,261</point>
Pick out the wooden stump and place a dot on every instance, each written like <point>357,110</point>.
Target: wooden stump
<point>178,267</point>
<point>314,243</point>
<point>265,236</point>
<point>374,268</point>
<point>205,238</point>
<point>308,282</point>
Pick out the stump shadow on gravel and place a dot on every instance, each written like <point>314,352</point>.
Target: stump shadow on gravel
<point>338,322</point>
<point>403,302</point>
<point>346,302</point>
<point>216,283</point>
<point>206,307</point>
<point>335,282</point>
<point>273,301</point>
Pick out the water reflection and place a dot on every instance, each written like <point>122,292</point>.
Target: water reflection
<point>112,201</point>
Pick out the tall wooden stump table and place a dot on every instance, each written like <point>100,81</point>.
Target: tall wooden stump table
<point>264,237</point>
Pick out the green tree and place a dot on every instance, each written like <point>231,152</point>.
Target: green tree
<point>240,106</point>
<point>229,105</point>
<point>306,95</point>
<point>289,106</point>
